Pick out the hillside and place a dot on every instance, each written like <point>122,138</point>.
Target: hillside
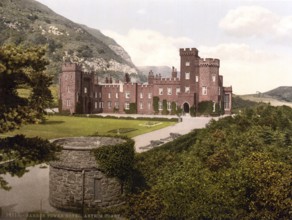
<point>29,22</point>
<point>165,71</point>
<point>276,97</point>
<point>283,93</point>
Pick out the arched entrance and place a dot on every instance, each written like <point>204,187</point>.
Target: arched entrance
<point>186,107</point>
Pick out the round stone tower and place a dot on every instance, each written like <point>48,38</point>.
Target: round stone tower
<point>75,179</point>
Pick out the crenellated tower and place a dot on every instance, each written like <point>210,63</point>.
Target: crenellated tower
<point>70,80</point>
<point>209,80</point>
<point>189,72</point>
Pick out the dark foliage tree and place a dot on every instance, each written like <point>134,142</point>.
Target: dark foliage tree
<point>22,68</point>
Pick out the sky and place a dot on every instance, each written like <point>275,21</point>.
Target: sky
<point>252,39</point>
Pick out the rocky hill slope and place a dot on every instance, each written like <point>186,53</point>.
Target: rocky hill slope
<point>282,93</point>
<point>165,71</point>
<point>31,23</point>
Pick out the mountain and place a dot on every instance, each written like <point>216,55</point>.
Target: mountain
<point>165,71</point>
<point>282,93</point>
<point>29,22</point>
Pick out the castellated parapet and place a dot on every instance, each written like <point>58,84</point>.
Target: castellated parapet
<point>71,67</point>
<point>209,62</point>
<point>188,52</point>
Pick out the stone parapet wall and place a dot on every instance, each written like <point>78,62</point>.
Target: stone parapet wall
<point>76,181</point>
<point>74,189</point>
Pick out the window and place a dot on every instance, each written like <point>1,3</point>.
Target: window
<point>169,106</point>
<point>116,105</point>
<point>226,101</point>
<point>95,105</point>
<point>214,106</point>
<point>68,89</point>
<point>149,95</point>
<point>95,94</point>
<point>97,190</point>
<point>213,78</point>
<point>187,63</point>
<point>169,91</point>
<point>109,105</point>
<point>204,90</point>
<point>160,105</point>
<point>127,95</point>
<point>177,91</point>
<point>197,78</point>
<point>127,105</point>
<point>141,95</point>
<point>85,89</point>
<point>187,89</point>
<point>68,102</point>
<point>219,91</point>
<point>187,75</point>
<point>141,105</point>
<point>160,91</point>
<point>109,95</point>
<point>100,95</point>
<point>101,105</point>
<point>149,105</point>
<point>117,95</point>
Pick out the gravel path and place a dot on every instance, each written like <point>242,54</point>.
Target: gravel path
<point>183,127</point>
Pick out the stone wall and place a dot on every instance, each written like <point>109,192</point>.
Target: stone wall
<point>71,189</point>
<point>76,180</point>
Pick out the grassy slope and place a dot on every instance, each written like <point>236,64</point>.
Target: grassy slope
<point>265,99</point>
<point>67,126</point>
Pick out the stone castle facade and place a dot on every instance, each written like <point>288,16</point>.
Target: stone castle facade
<point>199,81</point>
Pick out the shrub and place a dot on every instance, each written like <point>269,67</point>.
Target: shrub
<point>117,160</point>
<point>164,107</point>
<point>155,104</point>
<point>205,107</point>
<point>133,109</point>
<point>193,111</point>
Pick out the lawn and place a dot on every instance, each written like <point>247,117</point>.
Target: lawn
<point>69,126</point>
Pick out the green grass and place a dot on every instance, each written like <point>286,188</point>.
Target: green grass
<point>69,126</point>
<point>25,93</point>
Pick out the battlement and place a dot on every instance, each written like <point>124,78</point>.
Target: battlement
<point>209,62</point>
<point>227,89</point>
<point>71,67</point>
<point>188,52</point>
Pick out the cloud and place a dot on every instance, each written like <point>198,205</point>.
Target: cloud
<point>141,11</point>
<point>149,47</point>
<point>233,52</point>
<point>248,21</point>
<point>249,70</point>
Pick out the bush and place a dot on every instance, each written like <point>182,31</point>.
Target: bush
<point>155,104</point>
<point>164,107</point>
<point>117,160</point>
<point>133,109</point>
<point>205,107</point>
<point>193,111</point>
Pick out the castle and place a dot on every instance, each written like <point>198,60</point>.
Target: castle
<point>199,80</point>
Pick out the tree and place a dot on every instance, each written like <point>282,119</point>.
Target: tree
<point>22,67</point>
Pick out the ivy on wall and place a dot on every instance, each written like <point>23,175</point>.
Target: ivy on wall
<point>164,107</point>
<point>155,104</point>
<point>132,109</point>
<point>117,160</point>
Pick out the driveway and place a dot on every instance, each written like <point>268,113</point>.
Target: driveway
<point>184,127</point>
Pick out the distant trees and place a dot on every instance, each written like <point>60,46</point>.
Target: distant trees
<point>22,67</point>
